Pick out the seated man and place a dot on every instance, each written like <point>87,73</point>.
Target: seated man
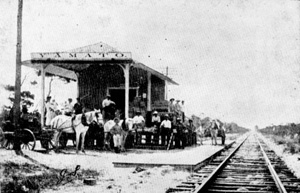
<point>155,122</point>
<point>138,123</point>
<point>24,119</point>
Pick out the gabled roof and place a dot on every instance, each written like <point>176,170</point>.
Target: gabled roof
<point>98,47</point>
<point>67,69</point>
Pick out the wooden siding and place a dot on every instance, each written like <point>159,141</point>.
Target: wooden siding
<point>157,89</point>
<point>94,81</point>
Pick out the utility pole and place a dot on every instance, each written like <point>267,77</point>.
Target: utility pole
<point>17,101</point>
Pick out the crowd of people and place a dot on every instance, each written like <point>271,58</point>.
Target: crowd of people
<point>176,110</point>
<point>51,109</point>
<point>168,129</point>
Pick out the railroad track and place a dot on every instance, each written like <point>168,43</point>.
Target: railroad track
<point>246,167</point>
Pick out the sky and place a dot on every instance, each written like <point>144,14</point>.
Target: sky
<point>235,60</point>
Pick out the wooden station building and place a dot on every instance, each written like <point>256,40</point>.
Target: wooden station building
<point>99,69</point>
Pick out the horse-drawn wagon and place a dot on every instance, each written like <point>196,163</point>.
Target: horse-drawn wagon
<point>27,134</point>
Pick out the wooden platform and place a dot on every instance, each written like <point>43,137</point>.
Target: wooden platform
<point>188,159</point>
<point>156,147</point>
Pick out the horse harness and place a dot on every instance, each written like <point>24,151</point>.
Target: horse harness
<point>215,126</point>
<point>72,124</point>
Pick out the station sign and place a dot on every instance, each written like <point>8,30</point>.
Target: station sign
<point>80,56</point>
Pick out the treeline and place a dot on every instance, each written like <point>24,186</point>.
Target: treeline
<point>235,128</point>
<point>287,135</point>
<point>229,127</point>
<point>290,130</point>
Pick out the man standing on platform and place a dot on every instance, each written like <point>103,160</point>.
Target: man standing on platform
<point>165,130</point>
<point>182,107</point>
<point>191,135</point>
<point>171,107</point>
<point>179,132</point>
<point>107,105</point>
<point>177,109</point>
<point>171,110</point>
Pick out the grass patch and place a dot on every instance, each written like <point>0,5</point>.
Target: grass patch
<point>32,178</point>
<point>291,145</point>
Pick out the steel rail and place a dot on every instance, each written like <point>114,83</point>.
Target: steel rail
<point>278,182</point>
<point>204,185</point>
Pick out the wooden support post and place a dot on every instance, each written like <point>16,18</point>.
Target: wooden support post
<point>126,74</point>
<point>17,102</point>
<point>149,91</point>
<point>42,95</point>
<point>17,111</point>
<point>78,88</point>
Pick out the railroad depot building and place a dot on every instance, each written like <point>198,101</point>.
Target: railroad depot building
<point>100,69</point>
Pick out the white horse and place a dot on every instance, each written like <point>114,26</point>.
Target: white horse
<point>66,124</point>
<point>109,124</point>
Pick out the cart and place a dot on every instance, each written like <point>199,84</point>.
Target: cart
<point>28,136</point>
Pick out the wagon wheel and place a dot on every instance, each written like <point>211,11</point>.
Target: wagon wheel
<point>27,139</point>
<point>63,140</point>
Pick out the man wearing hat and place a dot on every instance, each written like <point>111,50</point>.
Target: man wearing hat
<point>50,113</point>
<point>155,119</point>
<point>165,130</point>
<point>171,107</point>
<point>78,107</point>
<point>138,120</point>
<point>107,104</point>
<point>138,124</point>
<point>116,132</point>
<point>191,135</point>
<point>155,122</point>
<point>179,132</point>
<point>182,107</point>
<point>69,107</point>
<point>178,109</point>
<point>171,111</point>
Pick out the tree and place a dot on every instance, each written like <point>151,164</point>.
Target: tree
<point>26,99</point>
<point>26,96</point>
